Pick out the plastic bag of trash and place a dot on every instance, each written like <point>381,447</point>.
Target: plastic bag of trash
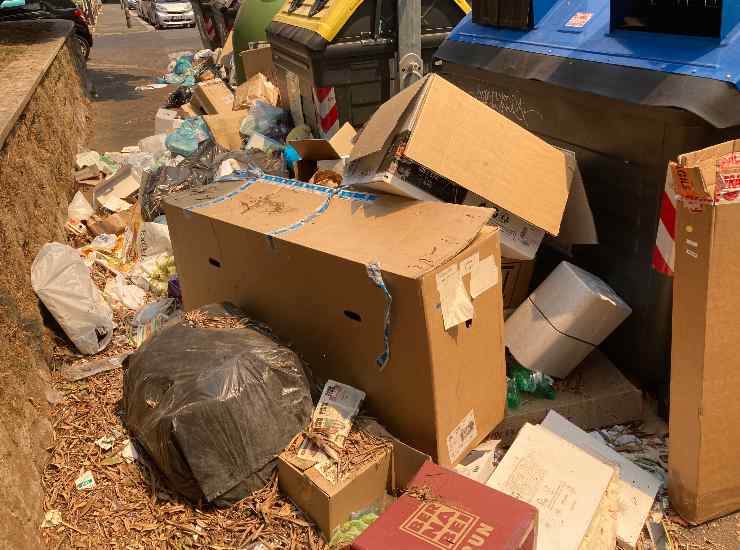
<point>267,120</point>
<point>179,97</point>
<point>185,139</point>
<point>215,423</point>
<point>119,293</point>
<point>150,319</point>
<point>152,239</point>
<point>62,282</point>
<point>183,64</point>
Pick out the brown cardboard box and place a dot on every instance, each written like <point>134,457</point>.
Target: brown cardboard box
<point>433,141</point>
<point>704,469</point>
<point>227,50</point>
<point>225,129</point>
<point>595,395</point>
<point>516,276</point>
<point>213,97</point>
<point>330,504</point>
<point>114,224</point>
<point>258,60</point>
<point>296,256</point>
<point>312,151</point>
<point>188,110</point>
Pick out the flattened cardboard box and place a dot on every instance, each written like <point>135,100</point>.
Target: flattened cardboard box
<point>703,464</point>
<point>295,256</point>
<point>433,141</point>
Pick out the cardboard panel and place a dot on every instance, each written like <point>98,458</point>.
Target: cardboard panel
<point>225,129</point>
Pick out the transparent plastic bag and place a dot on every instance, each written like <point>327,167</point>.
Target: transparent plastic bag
<point>150,319</point>
<point>267,120</point>
<point>213,399</point>
<point>62,282</point>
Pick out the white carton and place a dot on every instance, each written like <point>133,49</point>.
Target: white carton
<point>563,320</point>
<point>166,120</point>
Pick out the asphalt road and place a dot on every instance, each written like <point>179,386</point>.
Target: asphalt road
<point>122,59</point>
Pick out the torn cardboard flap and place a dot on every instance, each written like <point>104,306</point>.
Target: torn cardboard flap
<point>111,192</point>
<point>504,164</point>
<point>340,145</point>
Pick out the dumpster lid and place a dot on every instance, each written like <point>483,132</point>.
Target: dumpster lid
<point>467,142</point>
<point>697,74</point>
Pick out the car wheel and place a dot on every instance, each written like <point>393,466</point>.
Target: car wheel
<point>156,23</point>
<point>84,46</point>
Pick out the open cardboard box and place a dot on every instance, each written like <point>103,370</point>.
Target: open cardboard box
<point>435,142</point>
<point>362,285</point>
<point>323,154</point>
<point>330,504</point>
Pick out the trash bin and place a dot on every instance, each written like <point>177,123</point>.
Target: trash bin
<point>250,28</point>
<point>338,64</point>
<point>626,96</point>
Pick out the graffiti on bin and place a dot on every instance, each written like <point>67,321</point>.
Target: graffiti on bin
<point>509,104</point>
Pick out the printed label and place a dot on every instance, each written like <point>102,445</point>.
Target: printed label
<point>466,265</point>
<point>454,299</point>
<point>462,436</point>
<point>442,526</point>
<point>332,417</point>
<point>579,19</point>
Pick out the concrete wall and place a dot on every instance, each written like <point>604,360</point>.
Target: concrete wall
<point>44,116</point>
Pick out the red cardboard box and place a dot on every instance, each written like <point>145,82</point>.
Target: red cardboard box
<point>445,510</point>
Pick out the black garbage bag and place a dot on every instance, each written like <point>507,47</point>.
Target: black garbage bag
<point>214,406</point>
<point>179,97</point>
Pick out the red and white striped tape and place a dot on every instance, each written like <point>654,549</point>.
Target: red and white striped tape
<point>326,109</point>
<point>665,240</point>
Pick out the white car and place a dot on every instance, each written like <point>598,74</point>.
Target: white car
<point>171,13</point>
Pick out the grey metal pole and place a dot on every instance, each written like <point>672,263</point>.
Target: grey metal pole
<point>410,64</point>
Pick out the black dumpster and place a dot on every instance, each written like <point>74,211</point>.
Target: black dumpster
<point>569,80</point>
<point>335,62</point>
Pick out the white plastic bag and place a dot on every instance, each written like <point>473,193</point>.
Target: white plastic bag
<point>79,208</point>
<point>63,284</point>
<point>153,239</point>
<point>153,144</point>
<point>119,292</point>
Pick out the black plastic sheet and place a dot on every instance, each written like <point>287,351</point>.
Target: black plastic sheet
<point>214,406</point>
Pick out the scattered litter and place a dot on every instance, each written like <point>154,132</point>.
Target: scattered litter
<point>119,293</point>
<point>86,158</point>
<point>106,442</point>
<point>79,208</point>
<point>129,452</point>
<point>80,371</point>
<point>85,482</point>
<point>52,518</point>
<point>152,86</point>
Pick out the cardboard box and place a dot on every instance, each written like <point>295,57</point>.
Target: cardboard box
<point>479,463</point>
<point>457,513</point>
<point>257,88</point>
<point>433,141</point>
<point>704,470</point>
<point>331,504</point>
<point>115,224</point>
<point>636,488</point>
<point>516,275</point>
<point>567,485</point>
<point>189,110</point>
<point>594,395</point>
<point>112,192</point>
<point>563,320</point>
<point>227,50</point>
<point>313,151</point>
<point>258,60</point>
<point>300,258</point>
<point>166,120</point>
<point>213,97</point>
<point>225,129</point>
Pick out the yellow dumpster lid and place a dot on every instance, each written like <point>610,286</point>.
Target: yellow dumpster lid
<point>325,17</point>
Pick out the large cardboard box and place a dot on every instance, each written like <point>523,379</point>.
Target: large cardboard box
<point>704,469</point>
<point>563,320</point>
<point>304,259</point>
<point>258,60</point>
<point>433,141</point>
<point>594,395</point>
<point>213,97</point>
<point>329,504</point>
<point>446,510</point>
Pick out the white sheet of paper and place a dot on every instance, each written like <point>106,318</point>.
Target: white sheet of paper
<point>454,300</point>
<point>484,275</point>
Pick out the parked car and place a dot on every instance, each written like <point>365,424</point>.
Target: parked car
<point>54,9</point>
<point>170,13</point>
<point>132,4</point>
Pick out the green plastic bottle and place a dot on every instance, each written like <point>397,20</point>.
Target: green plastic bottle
<point>251,21</point>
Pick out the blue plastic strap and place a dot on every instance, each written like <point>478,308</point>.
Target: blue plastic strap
<point>373,271</point>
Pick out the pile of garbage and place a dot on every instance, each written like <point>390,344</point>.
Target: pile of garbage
<point>359,306</point>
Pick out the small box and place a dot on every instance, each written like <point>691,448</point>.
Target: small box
<point>323,154</point>
<point>563,320</point>
<point>445,510</point>
<point>213,97</point>
<point>225,129</point>
<point>516,275</point>
<point>331,504</point>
